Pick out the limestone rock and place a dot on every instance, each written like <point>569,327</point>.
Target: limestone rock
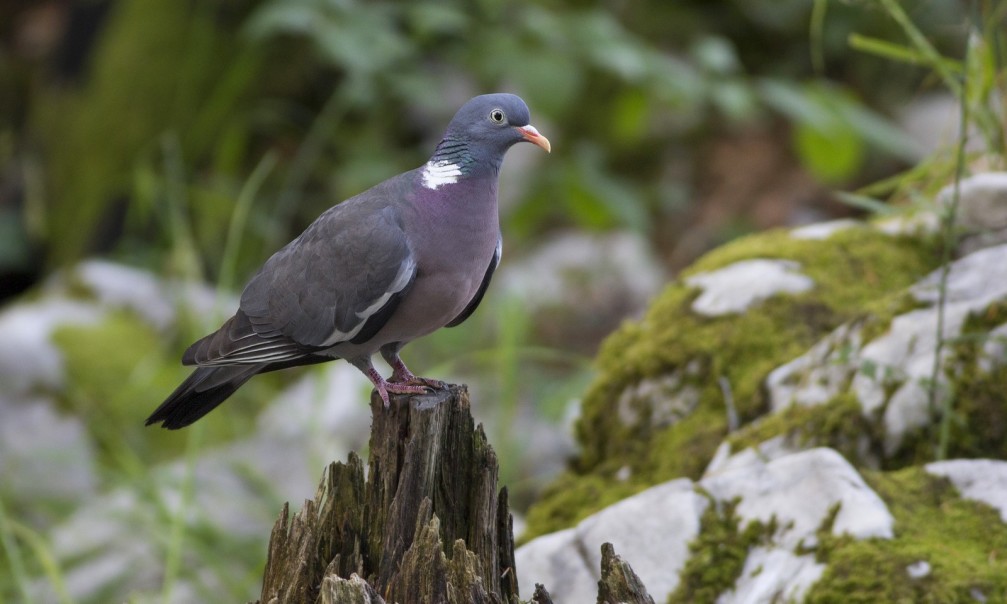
<point>890,374</point>
<point>799,490</point>
<point>824,230</point>
<point>651,529</point>
<point>33,468</point>
<point>660,401</point>
<point>818,375</point>
<point>982,210</point>
<point>28,357</point>
<point>578,287</point>
<point>773,575</point>
<point>737,287</point>
<point>983,480</point>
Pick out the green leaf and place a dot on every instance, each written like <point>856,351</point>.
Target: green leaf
<point>833,154</point>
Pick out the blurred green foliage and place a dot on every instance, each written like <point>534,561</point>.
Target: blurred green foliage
<point>180,102</point>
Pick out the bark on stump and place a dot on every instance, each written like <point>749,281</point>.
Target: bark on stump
<point>431,481</point>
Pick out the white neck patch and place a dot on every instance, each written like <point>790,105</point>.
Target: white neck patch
<point>437,173</point>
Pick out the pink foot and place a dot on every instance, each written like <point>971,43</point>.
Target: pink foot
<point>385,387</point>
<point>394,386</point>
<point>402,375</point>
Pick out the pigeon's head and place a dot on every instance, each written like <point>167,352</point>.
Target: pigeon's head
<point>494,122</point>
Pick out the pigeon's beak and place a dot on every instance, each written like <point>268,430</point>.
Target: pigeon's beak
<point>530,134</point>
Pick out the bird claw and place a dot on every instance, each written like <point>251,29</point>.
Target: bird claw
<point>407,378</point>
<point>400,388</point>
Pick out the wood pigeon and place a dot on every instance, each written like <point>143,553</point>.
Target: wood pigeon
<point>400,260</point>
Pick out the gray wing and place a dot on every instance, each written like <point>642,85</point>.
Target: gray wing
<point>339,281</point>
<point>476,299</point>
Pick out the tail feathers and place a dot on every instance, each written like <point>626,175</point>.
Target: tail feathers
<point>200,393</point>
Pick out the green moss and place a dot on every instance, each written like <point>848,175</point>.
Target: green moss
<point>839,424</point>
<point>979,406</point>
<point>963,541</point>
<point>119,370</point>
<point>856,272</point>
<point>717,556</point>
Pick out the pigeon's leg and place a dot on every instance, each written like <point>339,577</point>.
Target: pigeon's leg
<point>401,373</point>
<point>380,384</point>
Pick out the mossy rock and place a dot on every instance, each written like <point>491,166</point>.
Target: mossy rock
<point>659,406</point>
<point>944,549</point>
<point>957,544</point>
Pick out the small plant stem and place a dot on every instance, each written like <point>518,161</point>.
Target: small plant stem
<point>950,239</point>
<point>896,12</point>
<point>239,218</point>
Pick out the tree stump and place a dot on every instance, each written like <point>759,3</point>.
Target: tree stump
<point>428,525</point>
<point>432,480</point>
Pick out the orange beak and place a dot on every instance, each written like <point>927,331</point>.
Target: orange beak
<point>531,135</point>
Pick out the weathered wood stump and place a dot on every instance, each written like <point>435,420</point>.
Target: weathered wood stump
<point>432,480</point>
<point>427,525</point>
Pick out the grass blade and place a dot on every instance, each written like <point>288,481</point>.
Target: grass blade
<point>863,202</point>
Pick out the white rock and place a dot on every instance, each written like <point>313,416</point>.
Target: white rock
<point>156,301</point>
<point>904,353</point>
<point>650,530</point>
<point>982,201</point>
<point>916,224</point>
<point>120,286</point>
<point>908,410</point>
<point>824,230</point>
<point>592,267</point>
<point>737,287</point>
<point>994,350</point>
<point>918,569</point>
<point>666,399</point>
<point>724,462</point>
<point>44,455</point>
<point>799,490</point>
<point>818,375</point>
<point>977,279</point>
<point>983,480</point>
<point>904,356</point>
<point>28,358</point>
<point>558,561</point>
<point>773,575</point>
<point>933,119</point>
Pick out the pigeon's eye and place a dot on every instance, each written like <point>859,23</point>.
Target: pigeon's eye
<point>497,116</point>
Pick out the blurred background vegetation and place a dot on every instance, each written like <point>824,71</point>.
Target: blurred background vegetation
<point>130,127</point>
<point>193,139</point>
